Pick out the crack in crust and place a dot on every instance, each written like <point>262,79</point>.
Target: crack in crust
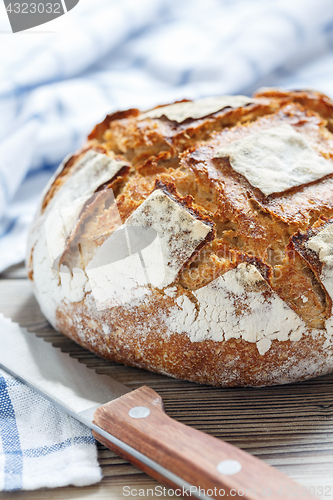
<point>298,243</point>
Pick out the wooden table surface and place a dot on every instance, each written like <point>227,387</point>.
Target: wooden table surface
<point>289,427</point>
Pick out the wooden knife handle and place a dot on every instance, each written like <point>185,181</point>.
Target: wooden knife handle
<point>205,462</point>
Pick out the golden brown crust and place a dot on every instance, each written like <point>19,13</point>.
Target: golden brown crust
<point>99,130</point>
<point>267,232</point>
<point>231,363</point>
<point>310,99</point>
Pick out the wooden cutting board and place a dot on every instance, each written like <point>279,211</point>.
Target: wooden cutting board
<point>289,427</point>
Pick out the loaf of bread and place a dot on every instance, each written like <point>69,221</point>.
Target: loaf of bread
<point>196,239</point>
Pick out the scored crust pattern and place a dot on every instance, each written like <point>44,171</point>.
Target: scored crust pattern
<point>247,302</point>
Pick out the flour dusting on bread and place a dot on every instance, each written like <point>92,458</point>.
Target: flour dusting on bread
<point>150,248</point>
<point>177,229</point>
<point>239,304</point>
<point>91,171</point>
<point>182,111</point>
<point>322,245</point>
<point>276,159</point>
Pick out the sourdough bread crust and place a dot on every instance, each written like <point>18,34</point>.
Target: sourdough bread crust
<point>245,302</point>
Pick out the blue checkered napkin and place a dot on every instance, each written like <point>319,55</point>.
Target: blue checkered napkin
<point>41,446</point>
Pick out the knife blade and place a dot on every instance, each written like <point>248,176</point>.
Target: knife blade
<point>135,426</point>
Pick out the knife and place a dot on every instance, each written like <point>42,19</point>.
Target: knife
<point>134,425</point>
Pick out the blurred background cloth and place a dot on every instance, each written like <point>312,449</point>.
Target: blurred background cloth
<point>111,55</point>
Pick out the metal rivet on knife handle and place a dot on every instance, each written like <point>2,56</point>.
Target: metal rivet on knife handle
<point>199,459</point>
<point>139,412</point>
<point>228,467</point>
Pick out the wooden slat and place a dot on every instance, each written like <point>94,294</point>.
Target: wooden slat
<point>290,427</point>
<point>18,271</point>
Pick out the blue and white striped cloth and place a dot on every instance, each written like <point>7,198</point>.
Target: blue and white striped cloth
<point>40,446</point>
<point>57,81</point>
<point>44,447</point>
